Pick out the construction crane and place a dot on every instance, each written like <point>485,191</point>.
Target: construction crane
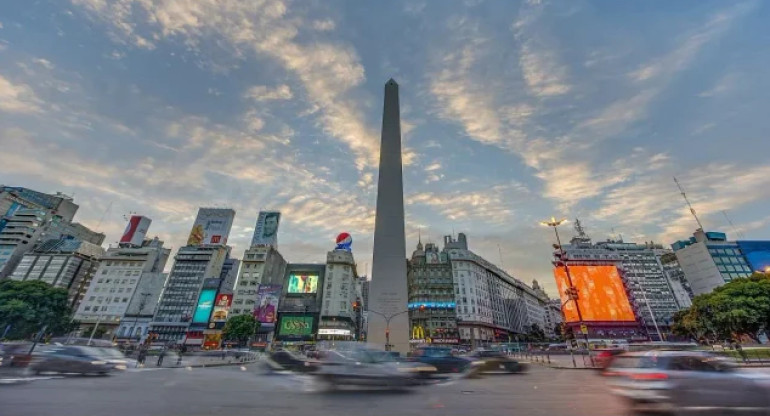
<point>692,210</point>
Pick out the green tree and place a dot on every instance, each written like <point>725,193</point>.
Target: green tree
<point>240,328</point>
<point>27,306</point>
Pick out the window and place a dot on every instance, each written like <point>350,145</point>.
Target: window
<point>87,308</point>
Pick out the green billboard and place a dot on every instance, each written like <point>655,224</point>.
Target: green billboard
<point>296,326</point>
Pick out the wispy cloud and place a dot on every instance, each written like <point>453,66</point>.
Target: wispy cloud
<point>264,93</point>
<point>18,98</point>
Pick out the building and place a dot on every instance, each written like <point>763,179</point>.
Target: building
<point>675,275</point>
<point>553,319</point>
<point>203,258</point>
<point>432,302</point>
<point>709,260</point>
<point>340,318</point>
<point>261,265</point>
<point>365,282</point>
<point>757,254</point>
<point>137,319</point>
<point>213,308</point>
<point>300,305</point>
<point>491,305</point>
<point>387,322</point>
<point>27,228</point>
<point>122,280</point>
<point>66,262</point>
<point>13,198</point>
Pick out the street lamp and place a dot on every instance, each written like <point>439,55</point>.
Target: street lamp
<point>387,325</point>
<point>572,292</point>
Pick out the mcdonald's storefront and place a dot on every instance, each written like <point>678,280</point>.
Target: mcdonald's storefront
<point>418,337</point>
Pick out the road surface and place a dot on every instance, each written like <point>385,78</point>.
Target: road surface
<point>236,391</point>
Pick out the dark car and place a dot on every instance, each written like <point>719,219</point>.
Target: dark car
<point>74,359</point>
<point>287,361</point>
<point>366,367</point>
<point>442,358</point>
<point>492,361</point>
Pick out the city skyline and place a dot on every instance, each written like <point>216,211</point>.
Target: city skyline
<point>191,109</point>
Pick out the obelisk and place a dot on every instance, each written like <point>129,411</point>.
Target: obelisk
<point>387,316</point>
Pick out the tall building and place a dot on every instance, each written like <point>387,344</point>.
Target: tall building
<point>67,263</point>
<point>644,285</point>
<point>300,305</point>
<point>388,324</point>
<point>491,305</point>
<point>203,258</point>
<point>675,275</point>
<point>128,276</point>
<point>13,198</point>
<point>709,260</point>
<point>553,318</point>
<point>339,313</point>
<point>432,301</point>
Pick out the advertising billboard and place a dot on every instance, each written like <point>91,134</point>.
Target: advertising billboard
<point>267,303</point>
<point>303,283</point>
<point>136,230</point>
<point>221,307</point>
<point>296,326</point>
<point>266,230</point>
<point>205,305</point>
<point>344,241</point>
<point>601,294</point>
<point>212,226</point>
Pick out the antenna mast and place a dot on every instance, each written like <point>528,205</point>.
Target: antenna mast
<point>735,230</point>
<point>692,210</point>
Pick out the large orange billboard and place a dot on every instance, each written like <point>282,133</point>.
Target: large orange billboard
<point>601,294</point>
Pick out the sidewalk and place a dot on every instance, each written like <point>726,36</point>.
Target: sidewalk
<point>171,360</point>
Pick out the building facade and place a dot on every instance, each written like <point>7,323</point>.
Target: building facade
<point>13,198</point>
<point>553,319</point>
<point>300,305</point>
<point>339,310</point>
<point>261,265</point>
<point>709,260</point>
<point>675,275</point>
<point>432,302</point>
<point>66,263</point>
<point>117,282</point>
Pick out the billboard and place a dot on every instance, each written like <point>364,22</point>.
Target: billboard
<point>266,230</point>
<point>221,307</point>
<point>303,283</point>
<point>212,226</point>
<point>136,230</point>
<point>296,326</point>
<point>601,294</point>
<point>267,303</point>
<point>205,305</point>
<point>344,241</point>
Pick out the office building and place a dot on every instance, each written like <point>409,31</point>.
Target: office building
<point>709,260</point>
<point>135,325</point>
<point>213,308</point>
<point>676,280</point>
<point>203,258</point>
<point>129,279</point>
<point>553,319</point>
<point>67,263</point>
<point>340,318</point>
<point>261,266</point>
<point>13,198</point>
<point>432,301</point>
<point>300,305</point>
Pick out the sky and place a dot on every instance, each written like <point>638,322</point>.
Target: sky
<point>512,112</point>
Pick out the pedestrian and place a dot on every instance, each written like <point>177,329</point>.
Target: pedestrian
<point>160,356</point>
<point>741,352</point>
<point>182,350</point>
<point>141,356</point>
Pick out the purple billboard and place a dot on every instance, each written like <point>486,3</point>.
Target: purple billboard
<point>267,303</point>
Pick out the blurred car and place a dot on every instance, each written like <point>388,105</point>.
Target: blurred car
<point>288,361</point>
<point>365,367</point>
<point>603,357</point>
<point>489,361</point>
<point>442,358</point>
<point>74,359</point>
<point>688,382</point>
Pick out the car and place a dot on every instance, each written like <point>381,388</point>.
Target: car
<point>688,382</point>
<point>603,357</point>
<point>288,361</point>
<point>74,359</point>
<point>493,361</point>
<point>372,368</point>
<point>442,358</point>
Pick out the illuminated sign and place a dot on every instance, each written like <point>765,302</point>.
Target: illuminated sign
<point>418,332</point>
<point>205,305</point>
<point>344,241</point>
<point>432,305</point>
<point>267,303</point>
<point>601,294</point>
<point>333,331</point>
<point>221,307</point>
<point>296,325</point>
<point>303,283</point>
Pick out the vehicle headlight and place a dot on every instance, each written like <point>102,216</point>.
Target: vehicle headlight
<point>98,362</point>
<point>477,362</point>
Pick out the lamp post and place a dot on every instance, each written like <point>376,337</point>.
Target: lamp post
<point>387,325</point>
<point>571,290</point>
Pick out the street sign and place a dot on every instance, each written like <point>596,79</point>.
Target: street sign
<point>584,329</point>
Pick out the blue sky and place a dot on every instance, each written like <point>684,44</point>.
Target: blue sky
<point>512,112</point>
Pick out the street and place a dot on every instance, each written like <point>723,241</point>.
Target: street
<point>244,391</point>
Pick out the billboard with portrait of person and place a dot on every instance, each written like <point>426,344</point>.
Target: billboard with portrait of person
<point>266,230</point>
<point>267,303</point>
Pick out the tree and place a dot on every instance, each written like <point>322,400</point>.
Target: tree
<point>27,306</point>
<point>240,328</point>
<point>738,308</point>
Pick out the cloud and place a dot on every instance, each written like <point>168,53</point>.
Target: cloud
<point>324,25</point>
<point>490,205</point>
<point>433,166</point>
<point>263,93</point>
<point>18,98</point>
<point>44,63</point>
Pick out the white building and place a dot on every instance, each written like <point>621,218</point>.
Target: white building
<point>553,318</point>
<point>339,319</point>
<point>261,264</point>
<point>708,261</point>
<point>126,276</point>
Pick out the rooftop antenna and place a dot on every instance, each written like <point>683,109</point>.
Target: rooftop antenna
<point>692,210</point>
<point>500,252</point>
<point>579,228</point>
<point>98,224</point>
<point>735,230</point>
